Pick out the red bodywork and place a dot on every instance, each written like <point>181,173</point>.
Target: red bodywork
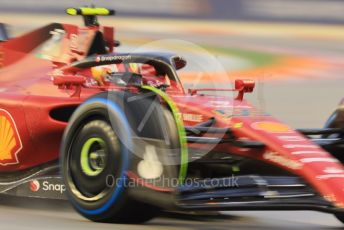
<point>29,93</point>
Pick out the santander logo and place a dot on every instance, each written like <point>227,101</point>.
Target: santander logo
<point>34,186</point>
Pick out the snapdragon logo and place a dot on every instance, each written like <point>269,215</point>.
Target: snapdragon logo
<point>34,185</point>
<point>61,188</point>
<point>113,58</point>
<point>46,186</point>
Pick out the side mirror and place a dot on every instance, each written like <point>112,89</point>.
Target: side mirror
<point>244,86</point>
<point>116,43</point>
<point>70,82</point>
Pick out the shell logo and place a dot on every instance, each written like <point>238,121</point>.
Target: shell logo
<point>271,127</point>
<point>10,143</point>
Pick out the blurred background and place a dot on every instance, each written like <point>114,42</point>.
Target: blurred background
<point>294,49</point>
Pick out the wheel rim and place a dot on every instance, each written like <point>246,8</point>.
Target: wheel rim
<point>93,156</point>
<point>91,166</point>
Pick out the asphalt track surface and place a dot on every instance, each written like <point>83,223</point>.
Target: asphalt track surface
<point>298,101</point>
<point>26,214</point>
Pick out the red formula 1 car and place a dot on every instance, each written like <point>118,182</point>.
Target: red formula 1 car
<point>129,140</point>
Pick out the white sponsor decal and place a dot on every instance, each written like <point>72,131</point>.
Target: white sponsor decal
<point>333,170</point>
<point>282,160</point>
<point>220,104</point>
<point>113,58</point>
<point>192,117</point>
<point>319,159</point>
<point>307,152</point>
<point>291,146</point>
<point>291,138</point>
<point>330,176</point>
<point>61,188</point>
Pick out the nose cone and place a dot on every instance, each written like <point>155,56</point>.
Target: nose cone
<point>292,151</point>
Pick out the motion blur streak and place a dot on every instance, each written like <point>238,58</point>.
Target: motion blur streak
<point>264,39</point>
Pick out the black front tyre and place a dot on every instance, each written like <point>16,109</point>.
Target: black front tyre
<point>96,155</point>
<point>94,175</point>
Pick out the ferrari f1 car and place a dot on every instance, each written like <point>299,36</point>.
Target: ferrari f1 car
<point>128,140</point>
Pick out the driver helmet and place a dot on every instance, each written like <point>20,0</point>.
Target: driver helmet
<point>100,73</point>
